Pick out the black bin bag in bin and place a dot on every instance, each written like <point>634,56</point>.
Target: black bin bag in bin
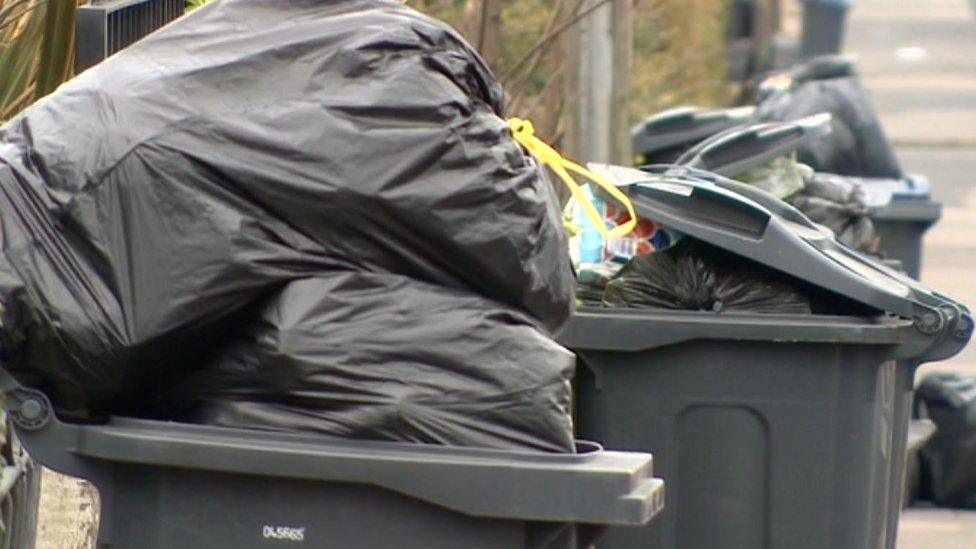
<point>151,205</point>
<point>694,275</point>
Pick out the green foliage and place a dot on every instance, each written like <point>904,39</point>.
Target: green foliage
<point>194,4</point>
<point>36,50</point>
<point>679,55</point>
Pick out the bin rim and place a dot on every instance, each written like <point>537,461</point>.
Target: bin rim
<point>634,330</point>
<point>921,211</point>
<point>648,138</point>
<point>619,488</point>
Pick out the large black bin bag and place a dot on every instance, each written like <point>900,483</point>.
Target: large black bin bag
<point>432,364</point>
<point>153,203</point>
<point>857,146</point>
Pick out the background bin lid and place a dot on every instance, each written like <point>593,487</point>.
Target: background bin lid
<point>741,149</point>
<point>880,192</point>
<point>824,67</point>
<point>751,223</point>
<point>684,126</point>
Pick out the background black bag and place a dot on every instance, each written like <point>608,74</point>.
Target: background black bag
<point>857,146</point>
<point>949,459</point>
<point>837,203</point>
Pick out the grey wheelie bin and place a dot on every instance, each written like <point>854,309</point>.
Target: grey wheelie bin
<point>824,22</point>
<point>902,209</point>
<point>818,68</point>
<point>775,431</point>
<point>740,43</point>
<point>165,485</point>
<point>662,137</point>
<point>740,149</point>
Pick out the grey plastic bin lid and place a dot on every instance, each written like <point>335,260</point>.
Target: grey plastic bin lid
<point>595,487</point>
<point>824,67</point>
<point>756,225</point>
<point>879,193</point>
<point>739,150</point>
<point>684,126</point>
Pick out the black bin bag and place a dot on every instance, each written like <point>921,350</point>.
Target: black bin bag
<point>432,364</point>
<point>694,275</point>
<point>153,205</point>
<point>838,202</point>
<point>857,145</point>
<point>949,458</point>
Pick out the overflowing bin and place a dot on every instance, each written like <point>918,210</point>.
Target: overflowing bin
<point>902,210</point>
<point>165,485</point>
<point>780,431</point>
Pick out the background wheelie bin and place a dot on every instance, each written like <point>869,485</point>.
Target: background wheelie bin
<point>901,209</point>
<point>743,148</point>
<point>905,210</point>
<point>824,22</point>
<point>164,485</point>
<point>662,137</point>
<point>777,431</point>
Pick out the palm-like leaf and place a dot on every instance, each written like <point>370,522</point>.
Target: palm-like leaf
<point>36,50</point>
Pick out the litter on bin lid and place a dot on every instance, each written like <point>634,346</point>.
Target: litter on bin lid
<point>840,204</point>
<point>754,224</point>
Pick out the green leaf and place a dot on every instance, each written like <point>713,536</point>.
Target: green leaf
<point>57,45</point>
<point>22,34</point>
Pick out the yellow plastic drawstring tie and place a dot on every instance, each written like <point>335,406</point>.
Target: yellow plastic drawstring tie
<point>524,133</point>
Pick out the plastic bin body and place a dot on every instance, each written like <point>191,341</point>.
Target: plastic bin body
<point>902,418</point>
<point>166,508</point>
<point>784,442</point>
<point>823,27</point>
<point>901,226</point>
<point>920,431</point>
<point>773,431</point>
<point>166,485</point>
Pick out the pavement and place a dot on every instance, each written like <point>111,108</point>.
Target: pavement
<point>918,61</point>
